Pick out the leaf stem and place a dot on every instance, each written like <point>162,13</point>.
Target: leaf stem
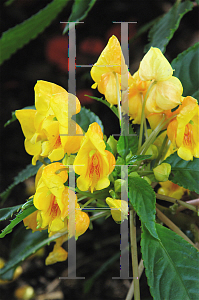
<point>131,289</point>
<point>176,201</point>
<point>134,254</point>
<point>173,227</point>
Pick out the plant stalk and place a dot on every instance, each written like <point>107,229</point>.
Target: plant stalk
<point>131,289</point>
<point>173,227</point>
<point>134,254</point>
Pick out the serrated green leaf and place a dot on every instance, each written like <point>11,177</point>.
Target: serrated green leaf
<point>184,172</point>
<point>6,213</point>
<point>79,11</point>
<point>171,265</point>
<point>29,171</point>
<point>24,243</point>
<point>162,32</point>
<point>14,116</point>
<point>186,68</point>
<point>113,108</point>
<point>85,117</point>
<point>28,209</point>
<point>142,198</point>
<point>20,35</point>
<point>127,143</point>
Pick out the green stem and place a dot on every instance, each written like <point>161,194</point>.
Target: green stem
<point>176,201</point>
<point>143,116</point>
<point>172,226</point>
<point>88,202</point>
<point>131,289</point>
<point>134,254</point>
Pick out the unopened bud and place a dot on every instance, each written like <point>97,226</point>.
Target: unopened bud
<point>153,151</point>
<point>162,172</point>
<point>112,142</point>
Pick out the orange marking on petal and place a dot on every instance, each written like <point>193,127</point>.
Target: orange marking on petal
<point>57,143</point>
<point>188,135</point>
<point>54,208</point>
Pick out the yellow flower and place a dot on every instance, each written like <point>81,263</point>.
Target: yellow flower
<point>110,62</point>
<point>30,222</point>
<point>155,66</point>
<point>135,96</point>
<point>119,209</point>
<point>166,91</point>
<point>52,198</point>
<point>58,254</point>
<point>93,163</point>
<point>171,189</point>
<point>183,131</point>
<point>42,127</point>
<point>164,95</point>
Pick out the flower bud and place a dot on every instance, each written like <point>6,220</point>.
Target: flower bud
<point>25,292</point>
<point>118,184</point>
<point>147,179</point>
<point>119,209</point>
<point>153,151</point>
<point>112,142</point>
<point>162,172</point>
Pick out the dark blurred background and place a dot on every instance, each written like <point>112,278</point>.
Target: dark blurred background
<point>46,58</point>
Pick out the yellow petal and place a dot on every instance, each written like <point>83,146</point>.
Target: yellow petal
<point>155,66</point>
<point>26,119</point>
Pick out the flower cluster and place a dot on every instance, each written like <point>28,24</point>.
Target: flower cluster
<point>152,94</point>
<point>153,90</point>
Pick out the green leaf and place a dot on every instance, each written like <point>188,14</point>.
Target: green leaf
<point>20,35</point>
<point>29,171</point>
<point>186,66</point>
<point>162,32</point>
<point>184,172</point>
<point>127,143</point>
<point>142,198</point>
<point>24,212</point>
<point>23,245</point>
<point>14,116</point>
<point>171,265</point>
<point>79,11</point>
<point>89,283</point>
<point>113,108</point>
<point>6,213</point>
<point>85,117</point>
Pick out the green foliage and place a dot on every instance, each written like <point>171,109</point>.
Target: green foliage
<point>127,143</point>
<point>163,30</point>
<point>85,117</point>
<point>113,108</point>
<point>142,198</point>
<point>171,265</point>
<point>28,209</point>
<point>79,11</point>
<point>29,171</point>
<point>186,68</point>
<point>184,173</point>
<point>24,243</point>
<point>20,35</point>
<point>6,213</point>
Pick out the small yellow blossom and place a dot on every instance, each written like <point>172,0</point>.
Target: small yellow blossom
<point>135,96</point>
<point>183,131</point>
<point>119,209</point>
<point>47,129</point>
<point>110,64</point>
<point>171,189</point>
<point>155,66</point>
<point>93,163</point>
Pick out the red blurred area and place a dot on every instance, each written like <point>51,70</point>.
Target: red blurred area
<point>57,52</point>
<point>84,99</point>
<point>93,46</point>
